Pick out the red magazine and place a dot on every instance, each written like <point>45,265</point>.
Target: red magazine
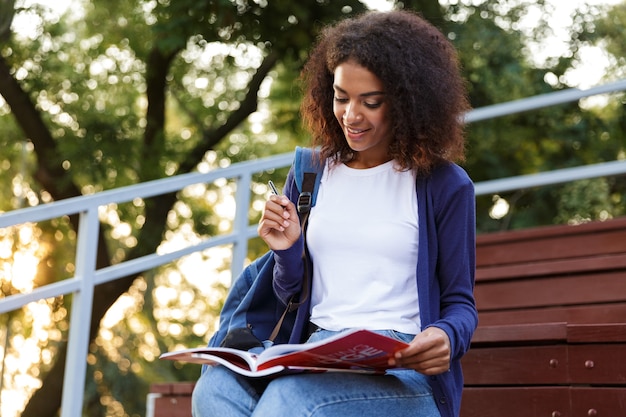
<point>360,351</point>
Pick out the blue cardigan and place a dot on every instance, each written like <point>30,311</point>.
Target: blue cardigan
<point>445,271</point>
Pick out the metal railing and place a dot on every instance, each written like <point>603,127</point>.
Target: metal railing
<point>86,277</point>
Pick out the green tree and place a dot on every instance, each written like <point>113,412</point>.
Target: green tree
<point>500,68</point>
<point>120,92</point>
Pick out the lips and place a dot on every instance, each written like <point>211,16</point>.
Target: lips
<point>354,133</point>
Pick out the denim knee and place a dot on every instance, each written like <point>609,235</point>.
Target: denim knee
<point>221,392</point>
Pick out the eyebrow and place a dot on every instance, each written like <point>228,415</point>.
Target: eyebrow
<point>368,94</point>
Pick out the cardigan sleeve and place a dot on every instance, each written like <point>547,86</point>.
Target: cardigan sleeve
<point>289,266</point>
<point>451,245</point>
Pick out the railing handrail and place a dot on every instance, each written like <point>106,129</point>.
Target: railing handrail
<point>162,186</point>
<point>144,190</point>
<point>87,276</point>
<point>237,236</point>
<point>541,101</point>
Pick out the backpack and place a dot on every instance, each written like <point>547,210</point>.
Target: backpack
<point>252,316</point>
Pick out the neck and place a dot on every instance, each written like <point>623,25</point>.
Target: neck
<point>360,161</point>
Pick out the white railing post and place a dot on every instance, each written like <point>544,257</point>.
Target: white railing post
<point>240,224</point>
<point>80,321</point>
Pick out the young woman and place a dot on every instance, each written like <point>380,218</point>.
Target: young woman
<point>392,235</point>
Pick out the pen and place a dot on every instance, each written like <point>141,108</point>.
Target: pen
<point>273,187</point>
<point>274,190</point>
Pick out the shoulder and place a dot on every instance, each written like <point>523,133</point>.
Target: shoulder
<point>446,178</point>
<point>447,183</point>
<point>451,174</point>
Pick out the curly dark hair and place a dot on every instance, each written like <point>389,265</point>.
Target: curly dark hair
<point>419,70</point>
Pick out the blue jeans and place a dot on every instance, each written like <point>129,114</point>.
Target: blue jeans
<point>221,393</point>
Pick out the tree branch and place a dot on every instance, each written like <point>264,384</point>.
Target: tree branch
<point>157,68</point>
<point>7,11</point>
<point>50,173</point>
<point>212,136</point>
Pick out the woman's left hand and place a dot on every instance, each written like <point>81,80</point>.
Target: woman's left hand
<point>428,353</point>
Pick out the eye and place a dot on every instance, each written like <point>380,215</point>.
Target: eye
<point>341,100</point>
<point>373,105</point>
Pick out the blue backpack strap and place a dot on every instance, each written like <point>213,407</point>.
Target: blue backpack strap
<point>308,169</point>
<point>306,162</point>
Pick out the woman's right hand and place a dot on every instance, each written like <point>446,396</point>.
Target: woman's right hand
<point>279,226</point>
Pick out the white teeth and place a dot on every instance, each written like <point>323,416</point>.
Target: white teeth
<point>355,131</point>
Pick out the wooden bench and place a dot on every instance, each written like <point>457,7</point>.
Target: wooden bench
<point>169,399</point>
<point>552,335</point>
<point>551,339</point>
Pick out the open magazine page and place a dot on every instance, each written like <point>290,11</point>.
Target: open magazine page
<point>357,349</point>
<point>352,351</point>
<point>211,355</point>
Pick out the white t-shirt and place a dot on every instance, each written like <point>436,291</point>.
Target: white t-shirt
<point>363,239</point>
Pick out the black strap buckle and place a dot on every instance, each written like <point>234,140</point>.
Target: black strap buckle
<point>304,202</point>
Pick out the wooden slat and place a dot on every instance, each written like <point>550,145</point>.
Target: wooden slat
<point>597,333</point>
<point>552,249</point>
<point>521,333</point>
<point>599,313</point>
<point>175,399</point>
<point>552,267</point>
<point>541,333</point>
<point>602,364</point>
<point>172,388</point>
<point>610,402</point>
<point>528,365</point>
<point>568,290</point>
<point>516,402</point>
<point>173,406</point>
<point>551,231</point>
<point>543,402</point>
<point>551,243</point>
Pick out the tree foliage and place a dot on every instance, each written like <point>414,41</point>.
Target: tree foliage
<point>119,92</point>
<point>500,67</point>
<point>122,92</point>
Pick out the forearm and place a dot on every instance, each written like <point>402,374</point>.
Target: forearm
<point>456,227</point>
<point>289,267</point>
<point>288,271</point>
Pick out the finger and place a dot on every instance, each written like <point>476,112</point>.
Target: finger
<point>430,366</point>
<point>267,227</point>
<point>272,224</point>
<point>425,360</point>
<point>275,212</point>
<point>421,344</point>
<point>289,209</point>
<point>429,353</point>
<point>278,204</point>
<point>280,200</point>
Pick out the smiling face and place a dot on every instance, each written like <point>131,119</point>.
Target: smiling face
<point>362,109</point>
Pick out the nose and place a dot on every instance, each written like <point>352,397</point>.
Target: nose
<point>352,114</point>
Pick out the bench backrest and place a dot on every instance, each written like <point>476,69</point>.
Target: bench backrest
<point>573,274</point>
